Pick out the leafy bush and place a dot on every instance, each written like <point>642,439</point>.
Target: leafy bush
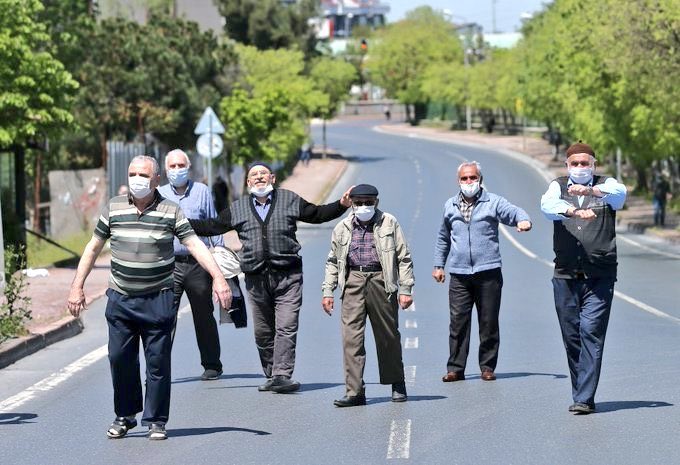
<point>14,304</point>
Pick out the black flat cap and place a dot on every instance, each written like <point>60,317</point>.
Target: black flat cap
<point>259,163</point>
<point>364,190</point>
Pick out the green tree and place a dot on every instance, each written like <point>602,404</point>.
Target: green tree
<point>333,78</point>
<point>270,24</point>
<point>404,50</point>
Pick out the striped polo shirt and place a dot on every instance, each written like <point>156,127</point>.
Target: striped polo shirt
<point>142,253</point>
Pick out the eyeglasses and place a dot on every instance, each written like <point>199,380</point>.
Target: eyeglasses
<point>469,178</point>
<point>575,163</point>
<point>362,203</point>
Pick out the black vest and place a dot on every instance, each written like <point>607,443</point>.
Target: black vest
<point>585,246</point>
<point>271,242</point>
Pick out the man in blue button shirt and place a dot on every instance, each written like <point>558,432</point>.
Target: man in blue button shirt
<point>196,202</point>
<point>583,208</point>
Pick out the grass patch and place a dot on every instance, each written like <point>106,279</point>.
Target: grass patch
<point>42,254</point>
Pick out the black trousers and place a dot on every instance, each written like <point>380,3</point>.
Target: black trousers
<point>190,277</point>
<point>150,318</point>
<point>483,290</point>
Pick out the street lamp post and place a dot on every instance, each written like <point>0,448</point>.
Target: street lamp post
<point>468,110</point>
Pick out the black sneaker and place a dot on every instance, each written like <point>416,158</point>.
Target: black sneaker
<point>157,432</point>
<point>267,386</point>
<point>120,427</point>
<point>281,385</point>
<point>210,374</point>
<point>399,392</point>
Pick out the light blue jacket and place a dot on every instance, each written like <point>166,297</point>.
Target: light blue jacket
<point>468,248</point>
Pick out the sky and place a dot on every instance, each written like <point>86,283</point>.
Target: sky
<point>477,11</point>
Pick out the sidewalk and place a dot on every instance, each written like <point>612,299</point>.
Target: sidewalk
<point>637,216</point>
<point>51,321</point>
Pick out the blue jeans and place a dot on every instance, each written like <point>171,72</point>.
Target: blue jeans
<point>583,307</point>
<point>659,212</point>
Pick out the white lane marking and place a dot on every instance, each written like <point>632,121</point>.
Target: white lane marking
<point>411,324</point>
<point>411,343</point>
<point>641,305</point>
<point>399,446</point>
<point>647,248</point>
<point>410,374</point>
<point>412,308</point>
<point>55,379</point>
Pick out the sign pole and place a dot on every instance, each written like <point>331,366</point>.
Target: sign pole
<point>210,158</point>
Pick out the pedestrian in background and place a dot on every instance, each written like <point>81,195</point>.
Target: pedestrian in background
<point>371,263</point>
<point>189,276</point>
<point>582,207</point>
<point>660,191</point>
<point>467,249</point>
<point>220,192</point>
<point>266,221</point>
<point>141,227</point>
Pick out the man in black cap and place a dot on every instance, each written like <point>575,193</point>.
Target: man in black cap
<point>582,207</point>
<point>265,222</point>
<point>371,263</point>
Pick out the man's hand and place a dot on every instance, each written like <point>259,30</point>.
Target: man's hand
<point>327,304</point>
<point>345,200</point>
<point>405,301</point>
<point>438,275</point>
<point>76,301</point>
<point>524,226</point>
<point>587,215</point>
<point>221,291</point>
<point>580,189</point>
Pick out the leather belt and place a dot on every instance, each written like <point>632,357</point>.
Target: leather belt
<point>366,269</point>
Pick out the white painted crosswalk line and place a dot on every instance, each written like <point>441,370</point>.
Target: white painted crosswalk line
<point>410,374</point>
<point>399,446</point>
<point>410,324</point>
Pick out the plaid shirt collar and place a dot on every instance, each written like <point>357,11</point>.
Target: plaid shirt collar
<point>466,205</point>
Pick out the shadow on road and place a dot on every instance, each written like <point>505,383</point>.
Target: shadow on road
<point>521,375</point>
<point>319,386</point>
<point>380,400</point>
<point>191,379</point>
<point>213,430</point>
<point>17,418</point>
<point>603,407</point>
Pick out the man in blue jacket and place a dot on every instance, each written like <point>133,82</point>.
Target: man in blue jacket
<point>467,245</point>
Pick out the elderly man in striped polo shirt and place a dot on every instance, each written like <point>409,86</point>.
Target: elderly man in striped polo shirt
<point>141,226</point>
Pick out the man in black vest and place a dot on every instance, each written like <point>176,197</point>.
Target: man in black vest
<point>583,208</point>
<point>266,221</point>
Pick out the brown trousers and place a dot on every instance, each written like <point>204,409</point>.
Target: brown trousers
<point>364,295</point>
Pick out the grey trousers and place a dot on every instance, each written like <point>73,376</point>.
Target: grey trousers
<point>364,295</point>
<point>275,298</point>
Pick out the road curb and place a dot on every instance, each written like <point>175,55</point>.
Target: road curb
<point>333,182</point>
<point>17,349</point>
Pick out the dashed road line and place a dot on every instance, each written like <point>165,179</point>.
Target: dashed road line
<point>411,343</point>
<point>55,379</point>
<point>410,324</point>
<point>399,445</point>
<point>410,374</point>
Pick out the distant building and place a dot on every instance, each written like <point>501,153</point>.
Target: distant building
<point>340,16</point>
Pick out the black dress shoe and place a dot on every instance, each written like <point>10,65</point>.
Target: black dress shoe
<point>399,392</point>
<point>209,374</point>
<point>281,385</point>
<point>580,408</point>
<point>350,401</point>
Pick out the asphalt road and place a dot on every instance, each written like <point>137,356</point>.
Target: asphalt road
<point>55,406</point>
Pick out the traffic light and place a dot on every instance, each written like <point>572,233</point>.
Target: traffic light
<point>363,46</point>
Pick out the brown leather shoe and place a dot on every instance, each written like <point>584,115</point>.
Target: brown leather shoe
<point>452,376</point>
<point>488,375</point>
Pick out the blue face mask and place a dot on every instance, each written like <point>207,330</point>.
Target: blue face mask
<point>178,177</point>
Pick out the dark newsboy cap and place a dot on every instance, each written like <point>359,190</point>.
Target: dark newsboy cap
<point>364,190</point>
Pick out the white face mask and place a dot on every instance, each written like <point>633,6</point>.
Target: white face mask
<point>261,191</point>
<point>178,177</point>
<point>470,190</point>
<point>364,212</point>
<point>581,175</point>
<point>139,186</point>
